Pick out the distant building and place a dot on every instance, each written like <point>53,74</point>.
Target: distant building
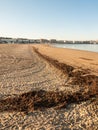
<point>37,41</point>
<point>53,41</point>
<point>61,41</point>
<point>93,42</point>
<point>86,42</point>
<point>97,42</point>
<point>25,41</point>
<point>31,41</point>
<point>21,40</point>
<point>68,42</point>
<point>78,42</point>
<point>44,41</point>
<point>7,40</point>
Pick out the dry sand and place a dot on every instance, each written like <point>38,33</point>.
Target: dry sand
<point>75,58</point>
<point>47,88</point>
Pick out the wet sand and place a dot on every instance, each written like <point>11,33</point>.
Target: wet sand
<point>42,87</point>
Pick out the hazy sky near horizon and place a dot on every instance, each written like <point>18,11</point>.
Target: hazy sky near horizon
<point>59,19</point>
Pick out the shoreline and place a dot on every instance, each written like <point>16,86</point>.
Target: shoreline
<point>77,58</point>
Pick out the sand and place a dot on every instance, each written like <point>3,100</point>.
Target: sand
<point>47,88</point>
<point>76,58</point>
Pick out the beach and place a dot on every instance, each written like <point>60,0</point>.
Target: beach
<point>75,58</point>
<point>47,88</point>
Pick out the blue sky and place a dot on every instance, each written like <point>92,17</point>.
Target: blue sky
<point>59,19</point>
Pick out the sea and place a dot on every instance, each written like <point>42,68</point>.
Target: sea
<point>85,47</point>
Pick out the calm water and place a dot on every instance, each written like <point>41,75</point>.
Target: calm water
<point>87,47</point>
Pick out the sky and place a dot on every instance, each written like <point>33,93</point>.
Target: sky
<point>49,19</point>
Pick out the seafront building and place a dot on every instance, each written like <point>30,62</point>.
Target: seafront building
<point>51,41</point>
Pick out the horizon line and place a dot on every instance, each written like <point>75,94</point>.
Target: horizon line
<point>46,38</point>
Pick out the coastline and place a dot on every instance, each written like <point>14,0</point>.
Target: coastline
<point>76,58</point>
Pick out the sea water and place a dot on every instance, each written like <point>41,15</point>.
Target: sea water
<point>87,47</point>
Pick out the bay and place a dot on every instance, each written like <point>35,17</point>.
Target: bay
<point>86,47</point>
